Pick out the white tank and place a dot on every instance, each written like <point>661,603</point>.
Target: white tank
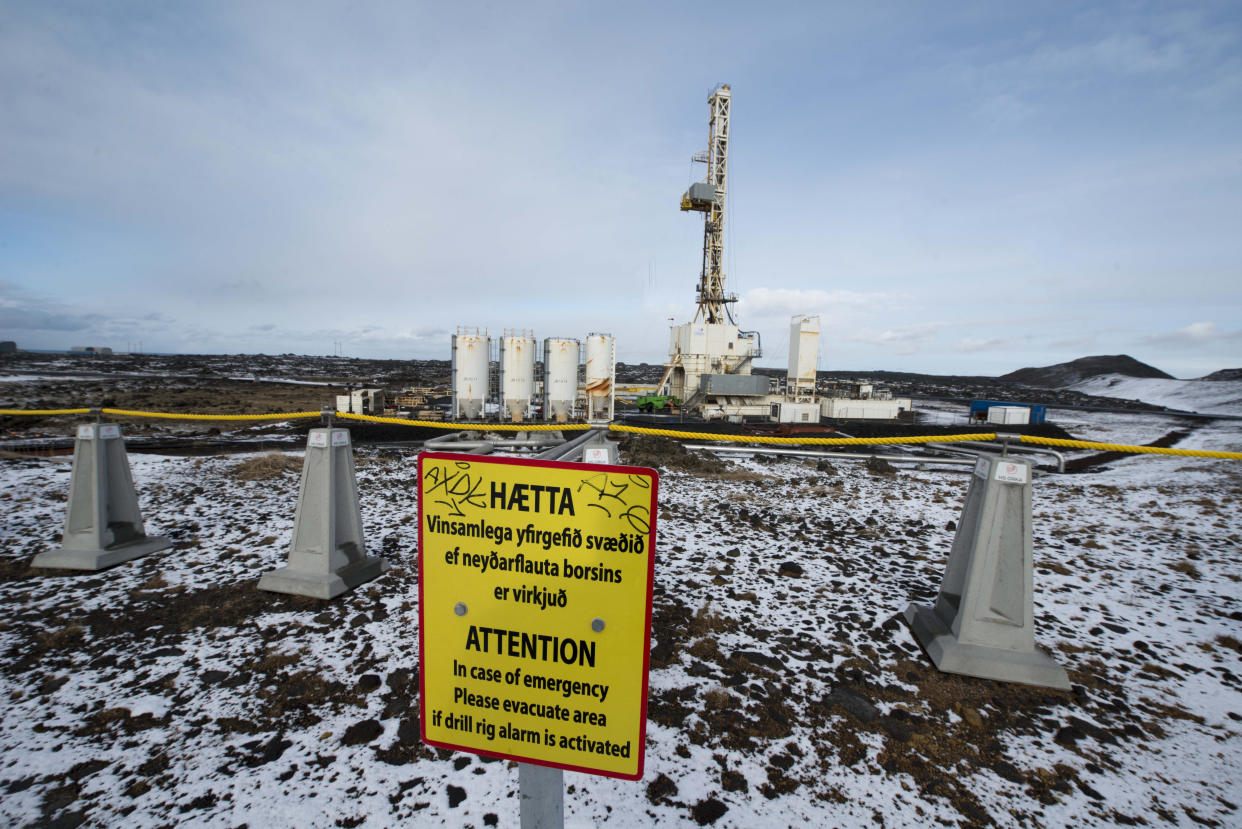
<point>803,354</point>
<point>601,366</point>
<point>560,378</point>
<point>470,374</point>
<point>517,374</point>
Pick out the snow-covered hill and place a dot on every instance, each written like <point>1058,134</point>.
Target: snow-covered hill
<point>1084,368</point>
<point>1206,396</point>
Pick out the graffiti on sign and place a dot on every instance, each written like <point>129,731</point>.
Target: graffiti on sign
<point>535,585</point>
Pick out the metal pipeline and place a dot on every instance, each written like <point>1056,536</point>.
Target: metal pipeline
<point>991,448</point>
<point>453,442</point>
<point>810,453</point>
<point>572,449</point>
<point>461,442</point>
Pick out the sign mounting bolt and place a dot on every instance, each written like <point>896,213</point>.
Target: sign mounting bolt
<point>460,608</point>
<point>597,625</point>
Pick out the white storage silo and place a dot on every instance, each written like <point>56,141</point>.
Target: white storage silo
<point>560,378</point>
<point>803,357</point>
<point>517,374</point>
<point>470,374</point>
<point>601,369</point>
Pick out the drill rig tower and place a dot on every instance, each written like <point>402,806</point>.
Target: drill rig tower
<point>710,360</point>
<point>708,197</point>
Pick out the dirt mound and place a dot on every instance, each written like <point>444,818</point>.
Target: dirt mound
<point>266,466</point>
<point>665,453</point>
<point>1067,374</point>
<point>878,466</point>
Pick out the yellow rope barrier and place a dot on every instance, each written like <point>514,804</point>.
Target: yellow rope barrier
<point>642,430</point>
<point>461,427</point>
<point>1137,450</point>
<point>221,417</point>
<point>43,412</point>
<point>788,441</point>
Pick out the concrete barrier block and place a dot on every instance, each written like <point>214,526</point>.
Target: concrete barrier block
<point>103,525</point>
<point>328,555</point>
<point>983,621</point>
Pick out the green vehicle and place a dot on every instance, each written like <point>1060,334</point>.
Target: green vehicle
<point>653,402</point>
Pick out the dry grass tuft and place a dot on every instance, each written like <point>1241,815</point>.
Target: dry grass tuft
<point>706,622</point>
<point>735,475</point>
<point>154,583</point>
<point>1185,567</point>
<point>705,649</point>
<point>68,636</point>
<point>1227,641</point>
<point>266,466</point>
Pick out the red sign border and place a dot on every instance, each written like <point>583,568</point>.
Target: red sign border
<point>422,604</point>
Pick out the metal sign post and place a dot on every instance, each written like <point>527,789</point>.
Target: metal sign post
<point>543,796</point>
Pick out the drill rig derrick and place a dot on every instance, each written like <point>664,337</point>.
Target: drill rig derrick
<point>708,197</point>
<point>710,358</point>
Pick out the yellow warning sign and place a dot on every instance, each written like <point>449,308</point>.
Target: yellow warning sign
<point>534,587</point>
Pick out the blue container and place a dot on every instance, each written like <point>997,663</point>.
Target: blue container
<point>1039,412</point>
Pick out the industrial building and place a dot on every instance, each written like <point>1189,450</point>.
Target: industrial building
<point>861,401</point>
<point>362,401</point>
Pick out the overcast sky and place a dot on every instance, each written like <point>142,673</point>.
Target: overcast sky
<point>953,187</point>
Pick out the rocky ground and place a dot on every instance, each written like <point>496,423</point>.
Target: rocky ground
<point>784,689</point>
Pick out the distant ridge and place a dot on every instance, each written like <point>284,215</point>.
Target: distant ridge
<point>1225,374</point>
<point>1075,371</point>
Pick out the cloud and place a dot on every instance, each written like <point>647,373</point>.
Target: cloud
<point>1099,58</point>
<point>786,302</point>
<point>39,319</point>
<point>972,344</point>
<point>903,340</point>
<point>44,321</point>
<point>21,311</point>
<point>1123,53</point>
<point>916,332</point>
<point>1074,342</point>
<point>1005,109</point>
<point>1197,333</point>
